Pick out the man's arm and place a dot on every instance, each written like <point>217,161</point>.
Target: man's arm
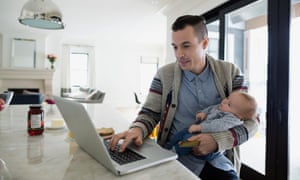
<point>236,136</point>
<point>220,141</point>
<point>150,113</point>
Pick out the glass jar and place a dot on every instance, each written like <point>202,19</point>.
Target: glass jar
<point>35,122</point>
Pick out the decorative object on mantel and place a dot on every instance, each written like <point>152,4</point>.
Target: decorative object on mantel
<point>50,103</point>
<point>51,58</point>
<point>43,14</point>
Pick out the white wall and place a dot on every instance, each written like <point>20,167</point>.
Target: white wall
<point>117,70</point>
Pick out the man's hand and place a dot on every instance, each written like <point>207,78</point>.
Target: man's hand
<point>207,145</point>
<point>134,134</point>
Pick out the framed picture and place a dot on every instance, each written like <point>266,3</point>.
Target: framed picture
<point>23,54</point>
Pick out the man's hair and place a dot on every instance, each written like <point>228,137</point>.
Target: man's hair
<point>197,22</point>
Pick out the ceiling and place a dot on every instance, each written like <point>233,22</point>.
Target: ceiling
<point>89,17</point>
<point>138,20</point>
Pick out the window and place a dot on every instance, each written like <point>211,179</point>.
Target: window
<point>213,35</point>
<point>79,69</point>
<point>246,45</point>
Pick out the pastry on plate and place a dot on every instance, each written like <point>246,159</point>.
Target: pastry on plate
<point>105,131</point>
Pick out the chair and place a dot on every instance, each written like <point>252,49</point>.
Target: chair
<point>136,98</point>
<point>87,95</point>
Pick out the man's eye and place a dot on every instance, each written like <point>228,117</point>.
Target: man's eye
<point>186,46</point>
<point>229,104</point>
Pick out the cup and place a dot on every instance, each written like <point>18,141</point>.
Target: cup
<point>7,97</point>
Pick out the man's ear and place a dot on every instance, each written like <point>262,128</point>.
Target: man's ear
<point>205,42</point>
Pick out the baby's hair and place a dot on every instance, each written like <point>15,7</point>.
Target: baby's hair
<point>250,110</point>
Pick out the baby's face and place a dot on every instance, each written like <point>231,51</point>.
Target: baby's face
<point>233,104</point>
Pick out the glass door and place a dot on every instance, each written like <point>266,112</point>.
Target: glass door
<point>214,38</point>
<point>246,45</point>
<point>261,37</point>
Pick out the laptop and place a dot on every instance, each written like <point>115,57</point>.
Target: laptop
<point>85,134</point>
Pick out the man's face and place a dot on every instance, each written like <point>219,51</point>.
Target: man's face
<point>189,52</point>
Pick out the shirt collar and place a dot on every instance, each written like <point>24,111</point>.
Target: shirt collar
<point>203,75</point>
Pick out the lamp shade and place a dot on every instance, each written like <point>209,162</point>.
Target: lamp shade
<point>43,14</point>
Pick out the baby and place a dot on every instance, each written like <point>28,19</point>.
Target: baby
<point>232,111</point>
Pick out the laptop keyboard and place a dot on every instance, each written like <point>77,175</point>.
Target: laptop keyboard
<point>124,157</point>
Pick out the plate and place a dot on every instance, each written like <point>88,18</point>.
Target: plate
<point>49,126</point>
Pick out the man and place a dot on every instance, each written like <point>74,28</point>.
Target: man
<point>180,89</point>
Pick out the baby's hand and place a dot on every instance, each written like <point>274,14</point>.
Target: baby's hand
<point>200,116</point>
<point>194,128</point>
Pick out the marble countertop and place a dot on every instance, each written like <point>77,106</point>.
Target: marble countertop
<point>54,155</point>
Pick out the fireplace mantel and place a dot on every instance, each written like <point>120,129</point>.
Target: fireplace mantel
<point>27,78</point>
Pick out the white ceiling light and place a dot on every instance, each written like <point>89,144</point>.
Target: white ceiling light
<point>42,14</point>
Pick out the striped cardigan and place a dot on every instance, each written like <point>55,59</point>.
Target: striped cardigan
<point>161,104</point>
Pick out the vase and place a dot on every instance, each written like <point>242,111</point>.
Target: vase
<point>52,66</point>
<point>50,109</point>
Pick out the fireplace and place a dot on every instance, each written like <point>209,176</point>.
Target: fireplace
<point>26,96</point>
<point>21,90</point>
<point>40,79</point>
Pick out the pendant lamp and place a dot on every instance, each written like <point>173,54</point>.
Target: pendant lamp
<point>43,14</point>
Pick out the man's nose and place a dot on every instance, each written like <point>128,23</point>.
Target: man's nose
<point>179,53</point>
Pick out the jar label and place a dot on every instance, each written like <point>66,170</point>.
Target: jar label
<point>36,120</point>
